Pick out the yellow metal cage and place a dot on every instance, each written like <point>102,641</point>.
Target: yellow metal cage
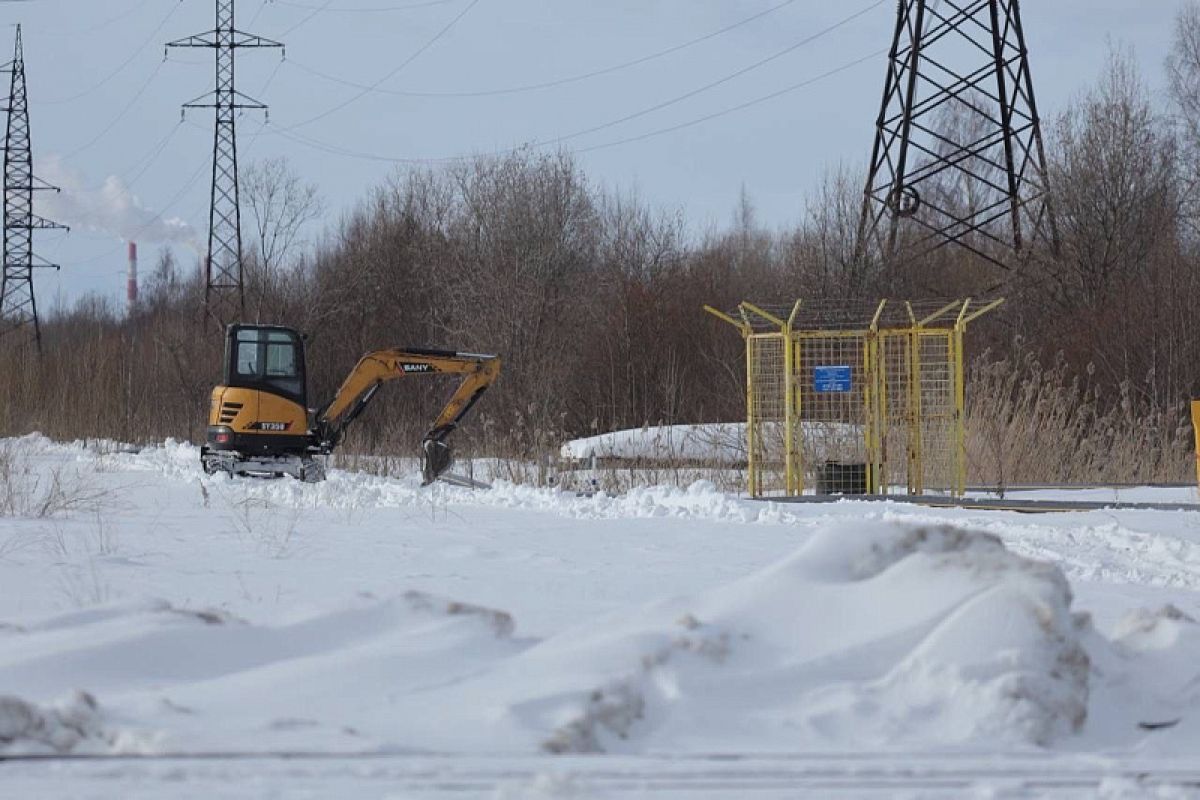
<point>855,399</point>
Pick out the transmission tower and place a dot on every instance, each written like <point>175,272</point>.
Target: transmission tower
<point>223,294</point>
<point>958,155</point>
<point>18,308</point>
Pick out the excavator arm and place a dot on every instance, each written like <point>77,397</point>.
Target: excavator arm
<point>478,373</point>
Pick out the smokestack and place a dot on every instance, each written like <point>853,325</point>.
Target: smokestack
<point>131,285</point>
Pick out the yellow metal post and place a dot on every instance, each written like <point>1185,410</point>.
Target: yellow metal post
<point>1196,430</point>
<point>960,404</point>
<point>789,417</point>
<point>751,439</point>
<point>876,403</point>
<point>792,421</point>
<point>916,467</point>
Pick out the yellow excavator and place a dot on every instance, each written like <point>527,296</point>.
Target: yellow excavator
<point>260,423</point>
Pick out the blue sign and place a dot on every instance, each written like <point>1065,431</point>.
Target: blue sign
<point>831,379</point>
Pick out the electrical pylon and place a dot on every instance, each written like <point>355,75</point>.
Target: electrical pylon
<point>223,295</point>
<point>958,155</point>
<point>18,307</point>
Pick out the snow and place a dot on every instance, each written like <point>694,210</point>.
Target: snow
<point>723,443</point>
<point>710,443</point>
<point>148,609</point>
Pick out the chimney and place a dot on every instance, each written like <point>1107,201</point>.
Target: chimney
<point>131,285</point>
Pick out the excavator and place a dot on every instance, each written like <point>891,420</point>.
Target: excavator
<point>260,424</point>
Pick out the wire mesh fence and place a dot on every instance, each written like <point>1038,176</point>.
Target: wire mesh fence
<point>857,400</point>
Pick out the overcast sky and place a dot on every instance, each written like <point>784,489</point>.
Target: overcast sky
<point>106,123</point>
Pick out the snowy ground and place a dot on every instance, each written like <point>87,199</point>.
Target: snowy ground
<point>522,642</point>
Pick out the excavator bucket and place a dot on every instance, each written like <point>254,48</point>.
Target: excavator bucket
<point>436,459</point>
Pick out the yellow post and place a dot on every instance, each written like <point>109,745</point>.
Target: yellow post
<point>789,418</point>
<point>875,400</point>
<point>869,421</point>
<point>916,465</point>
<point>795,455</point>
<point>960,405</point>
<point>1196,429</point>
<point>751,444</point>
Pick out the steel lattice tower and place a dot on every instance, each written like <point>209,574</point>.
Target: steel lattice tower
<point>958,155</point>
<point>18,308</point>
<point>223,295</point>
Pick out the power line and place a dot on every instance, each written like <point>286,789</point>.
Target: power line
<point>723,80</point>
<point>302,22</point>
<point>261,8</point>
<point>335,150</point>
<point>144,167</point>
<point>740,107</point>
<point>530,87</point>
<point>99,26</point>
<point>136,52</point>
<point>120,114</point>
<point>653,108</point>
<point>362,9</point>
<point>420,51</point>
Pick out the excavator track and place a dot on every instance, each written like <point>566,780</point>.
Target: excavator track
<point>233,463</point>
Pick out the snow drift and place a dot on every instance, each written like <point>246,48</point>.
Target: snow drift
<point>874,635</point>
<point>869,636</point>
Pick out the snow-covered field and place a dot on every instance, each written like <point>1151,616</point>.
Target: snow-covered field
<point>520,642</point>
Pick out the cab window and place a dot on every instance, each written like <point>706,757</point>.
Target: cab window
<point>281,357</point>
<point>269,359</point>
<point>247,358</point>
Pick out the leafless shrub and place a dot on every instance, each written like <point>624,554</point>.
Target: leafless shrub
<point>26,491</point>
<point>1031,423</point>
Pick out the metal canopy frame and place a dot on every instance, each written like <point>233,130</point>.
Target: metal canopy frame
<point>901,414</point>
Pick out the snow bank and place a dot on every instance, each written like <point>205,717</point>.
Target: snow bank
<point>869,636</point>
<point>709,443</point>
<point>719,443</point>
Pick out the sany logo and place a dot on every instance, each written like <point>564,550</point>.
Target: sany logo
<point>403,367</point>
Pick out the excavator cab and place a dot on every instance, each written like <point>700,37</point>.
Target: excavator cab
<point>259,422</point>
<point>267,358</point>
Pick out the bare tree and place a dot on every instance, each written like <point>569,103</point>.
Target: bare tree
<point>1183,77</point>
<point>1113,178</point>
<point>281,204</point>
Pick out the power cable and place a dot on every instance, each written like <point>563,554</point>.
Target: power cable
<point>530,87</point>
<point>144,167</point>
<point>661,105</point>
<point>304,21</point>
<point>363,9</point>
<point>136,52</point>
<point>335,150</point>
<point>262,6</point>
<point>723,80</point>
<point>99,26</point>
<point>740,107</point>
<point>420,51</point>
<point>120,114</point>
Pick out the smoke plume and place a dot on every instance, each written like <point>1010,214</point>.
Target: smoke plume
<point>110,208</point>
